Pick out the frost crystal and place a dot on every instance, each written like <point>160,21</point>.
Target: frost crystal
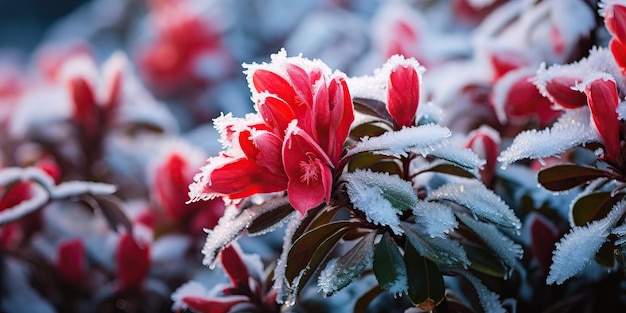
<point>479,200</point>
<point>572,128</point>
<point>461,156</point>
<point>488,299</point>
<point>579,246</point>
<point>340,272</point>
<point>504,247</point>
<point>373,194</point>
<point>421,139</point>
<point>281,285</point>
<point>442,250</point>
<point>232,224</point>
<point>436,218</point>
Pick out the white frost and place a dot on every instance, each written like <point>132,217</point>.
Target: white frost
<point>368,191</point>
<point>442,250</point>
<point>488,299</point>
<point>508,251</point>
<point>421,139</point>
<point>435,218</point>
<point>573,128</point>
<point>479,200</point>
<point>577,248</point>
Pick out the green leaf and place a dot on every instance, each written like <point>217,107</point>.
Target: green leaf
<point>372,107</point>
<point>340,272</point>
<point>426,285</point>
<point>308,251</point>
<point>447,168</point>
<point>606,255</point>
<point>389,267</point>
<point>364,301</point>
<point>594,206</point>
<point>370,129</point>
<point>268,219</point>
<point>374,162</point>
<point>444,251</point>
<point>482,260</point>
<point>567,176</point>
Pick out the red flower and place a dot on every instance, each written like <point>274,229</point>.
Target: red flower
<point>562,92</point>
<point>403,89</point>
<point>601,92</point>
<point>485,141</point>
<point>615,20</point>
<point>133,262</point>
<point>71,261</point>
<point>308,169</point>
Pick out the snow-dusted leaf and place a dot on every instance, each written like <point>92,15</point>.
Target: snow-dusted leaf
<point>74,188</point>
<point>340,272</point>
<point>421,139</point>
<point>39,197</point>
<point>573,128</point>
<point>442,250</point>
<point>389,267</point>
<point>380,196</point>
<point>435,218</point>
<point>577,248</point>
<point>479,200</point>
<point>463,157</point>
<point>489,300</point>
<point>280,282</point>
<point>232,224</point>
<point>508,251</point>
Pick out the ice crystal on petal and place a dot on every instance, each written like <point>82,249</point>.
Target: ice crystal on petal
<point>231,225</point>
<point>421,139</point>
<point>436,218</point>
<point>503,246</point>
<point>479,200</point>
<point>577,248</point>
<point>442,250</point>
<point>370,193</point>
<point>573,128</point>
<point>488,299</point>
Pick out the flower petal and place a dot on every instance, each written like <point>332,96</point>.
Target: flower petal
<point>601,91</point>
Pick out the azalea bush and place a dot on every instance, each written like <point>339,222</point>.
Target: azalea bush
<point>400,156</point>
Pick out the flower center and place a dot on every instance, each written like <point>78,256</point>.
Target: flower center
<point>310,169</point>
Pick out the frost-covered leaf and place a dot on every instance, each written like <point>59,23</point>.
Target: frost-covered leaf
<point>340,272</point>
<point>573,128</point>
<point>426,287</point>
<point>280,281</point>
<point>489,300</point>
<point>421,139</point>
<point>74,188</point>
<point>593,206</point>
<point>462,157</point>
<point>505,248</point>
<point>39,197</point>
<point>380,196</point>
<point>436,219</point>
<point>577,248</point>
<point>442,250</point>
<point>232,224</point>
<point>481,201</point>
<point>389,267</point>
<point>567,176</point>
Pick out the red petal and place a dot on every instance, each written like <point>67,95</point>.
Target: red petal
<point>234,266</point>
<point>213,305</point>
<point>17,193</point>
<point>86,112</point>
<point>543,236</point>
<point>301,83</point>
<point>242,178</point>
<point>503,62</point>
<point>403,94</point>
<point>603,100</point>
<point>170,185</point>
<point>524,100</point>
<point>618,50</point>
<point>308,169</point>
<point>71,261</point>
<point>485,142</point>
<point>273,83</point>
<point>133,262</point>
<point>276,113</point>
<point>615,20</point>
<point>560,89</point>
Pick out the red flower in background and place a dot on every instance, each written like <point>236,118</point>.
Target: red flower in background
<point>403,90</point>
